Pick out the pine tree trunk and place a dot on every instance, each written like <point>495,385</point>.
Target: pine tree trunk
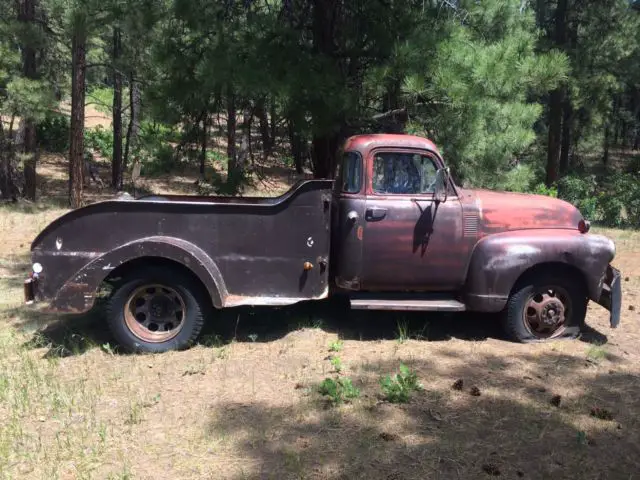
<point>204,138</point>
<point>233,171</point>
<point>134,123</point>
<point>607,135</point>
<point>27,15</point>
<point>324,155</point>
<point>567,127</point>
<point>296,146</point>
<point>555,101</point>
<point>273,122</point>
<point>76,149</point>
<point>116,164</point>
<point>261,113</point>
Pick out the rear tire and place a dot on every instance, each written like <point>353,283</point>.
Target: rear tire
<point>546,306</point>
<point>156,309</point>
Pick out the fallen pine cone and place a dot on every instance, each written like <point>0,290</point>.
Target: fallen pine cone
<point>555,400</point>
<point>458,384</point>
<point>475,391</point>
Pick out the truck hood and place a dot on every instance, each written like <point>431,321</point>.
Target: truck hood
<point>505,211</point>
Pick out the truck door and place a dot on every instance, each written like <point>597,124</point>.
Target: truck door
<point>410,242</point>
<point>348,222</point>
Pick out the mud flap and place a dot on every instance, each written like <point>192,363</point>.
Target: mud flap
<point>611,296</point>
<point>29,291</point>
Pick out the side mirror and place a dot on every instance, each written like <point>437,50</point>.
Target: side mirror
<point>442,181</point>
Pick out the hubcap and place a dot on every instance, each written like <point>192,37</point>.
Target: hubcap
<point>547,311</point>
<point>155,313</point>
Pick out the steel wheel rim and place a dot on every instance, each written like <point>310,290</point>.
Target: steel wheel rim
<point>155,313</point>
<point>547,311</point>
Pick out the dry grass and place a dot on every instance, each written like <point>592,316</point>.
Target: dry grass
<point>243,404</point>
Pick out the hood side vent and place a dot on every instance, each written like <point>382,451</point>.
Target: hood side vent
<point>471,223</point>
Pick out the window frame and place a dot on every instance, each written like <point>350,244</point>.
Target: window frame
<point>360,173</point>
<point>382,150</point>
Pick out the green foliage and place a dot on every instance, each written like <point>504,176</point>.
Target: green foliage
<point>53,132</point>
<point>100,140</point>
<point>398,389</point>
<point>340,390</point>
<point>611,201</point>
<point>336,362</point>
<point>336,346</point>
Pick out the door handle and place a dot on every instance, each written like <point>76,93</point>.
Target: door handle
<point>375,213</point>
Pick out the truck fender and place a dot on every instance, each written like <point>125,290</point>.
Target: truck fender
<point>78,293</point>
<point>499,260</point>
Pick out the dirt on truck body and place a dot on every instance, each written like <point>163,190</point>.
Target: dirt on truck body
<point>392,231</point>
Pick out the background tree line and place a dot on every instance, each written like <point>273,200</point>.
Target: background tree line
<point>538,95</point>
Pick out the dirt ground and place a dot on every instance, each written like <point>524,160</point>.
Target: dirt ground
<point>244,402</point>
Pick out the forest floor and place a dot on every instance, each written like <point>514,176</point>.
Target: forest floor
<point>244,404</point>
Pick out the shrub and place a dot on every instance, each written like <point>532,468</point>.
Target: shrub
<point>100,140</point>
<point>53,133</point>
<point>398,389</point>
<point>339,391</point>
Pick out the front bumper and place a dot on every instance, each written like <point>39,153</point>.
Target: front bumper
<point>611,296</point>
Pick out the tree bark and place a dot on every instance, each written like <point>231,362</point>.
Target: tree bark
<point>233,171</point>
<point>296,145</point>
<point>567,128</point>
<point>204,138</point>
<point>134,122</point>
<point>324,155</point>
<point>116,161</point>
<point>76,149</point>
<point>261,113</point>
<point>273,122</point>
<point>27,16</point>
<point>607,135</point>
<point>555,101</point>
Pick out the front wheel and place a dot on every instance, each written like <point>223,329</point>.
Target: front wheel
<point>546,307</point>
<point>155,310</point>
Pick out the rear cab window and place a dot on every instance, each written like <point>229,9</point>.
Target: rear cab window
<point>350,174</point>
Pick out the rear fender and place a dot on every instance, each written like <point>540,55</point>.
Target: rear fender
<point>78,294</point>
<point>499,260</point>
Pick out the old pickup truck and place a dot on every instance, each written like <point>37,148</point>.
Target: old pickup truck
<point>393,231</point>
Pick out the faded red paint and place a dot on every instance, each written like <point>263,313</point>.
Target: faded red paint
<point>502,211</point>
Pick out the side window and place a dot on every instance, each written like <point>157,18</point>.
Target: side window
<point>403,173</point>
<point>351,172</point>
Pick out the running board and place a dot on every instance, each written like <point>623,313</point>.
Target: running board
<point>406,302</point>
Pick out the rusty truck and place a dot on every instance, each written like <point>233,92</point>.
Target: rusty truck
<point>391,231</point>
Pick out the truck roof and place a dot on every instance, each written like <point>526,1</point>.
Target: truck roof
<point>367,142</point>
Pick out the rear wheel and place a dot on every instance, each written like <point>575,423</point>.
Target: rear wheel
<point>546,306</point>
<point>156,310</point>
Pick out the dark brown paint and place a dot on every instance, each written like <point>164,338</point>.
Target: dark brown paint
<point>464,253</point>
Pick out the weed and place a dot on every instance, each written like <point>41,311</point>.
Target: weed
<point>337,363</point>
<point>595,353</point>
<point>339,391</point>
<point>211,340</point>
<point>402,331</point>
<point>336,346</point>
<point>134,416</point>
<point>397,389</point>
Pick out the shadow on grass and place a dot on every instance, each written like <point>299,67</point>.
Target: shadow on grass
<point>63,335</point>
<point>74,334</point>
<point>511,428</point>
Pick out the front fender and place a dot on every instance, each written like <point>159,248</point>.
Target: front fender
<point>499,260</point>
<point>78,294</point>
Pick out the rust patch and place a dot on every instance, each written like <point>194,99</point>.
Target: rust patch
<point>359,232</point>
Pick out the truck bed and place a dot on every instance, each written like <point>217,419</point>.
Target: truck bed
<point>258,245</point>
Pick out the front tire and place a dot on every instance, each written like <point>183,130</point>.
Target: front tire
<point>546,306</point>
<point>156,310</point>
